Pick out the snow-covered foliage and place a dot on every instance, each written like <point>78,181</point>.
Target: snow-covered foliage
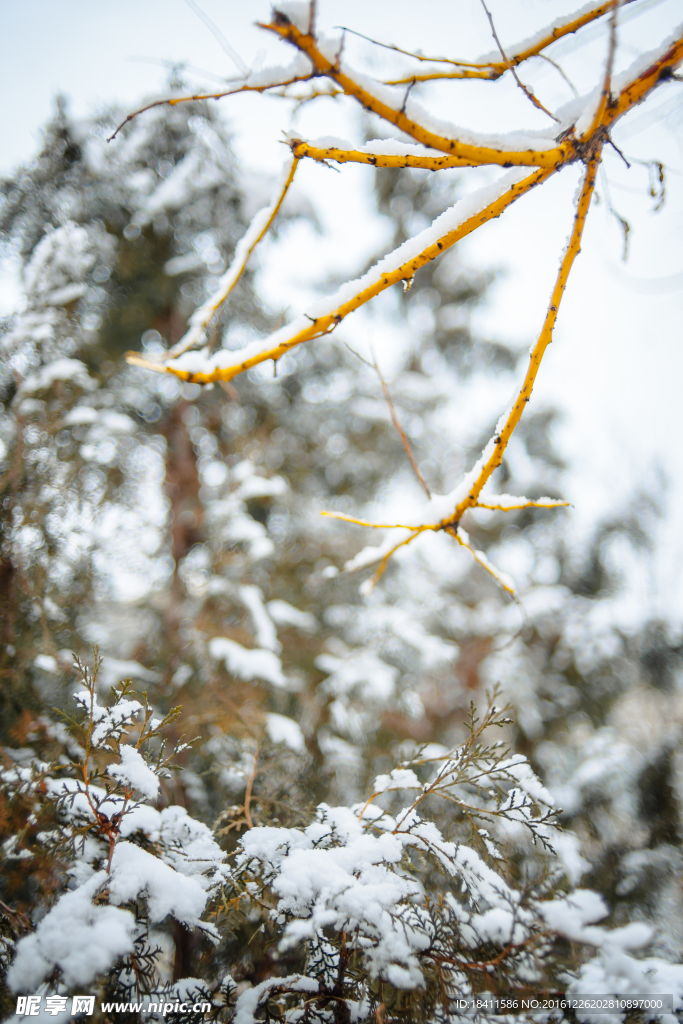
<point>346,840</point>
<point>127,865</point>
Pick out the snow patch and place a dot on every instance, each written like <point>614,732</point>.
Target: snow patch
<point>247,664</point>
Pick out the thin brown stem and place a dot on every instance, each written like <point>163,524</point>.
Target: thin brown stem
<point>525,89</point>
<point>558,68</point>
<point>172,101</point>
<point>401,433</point>
<point>408,53</point>
<point>394,419</point>
<point>18,914</point>
<point>250,786</point>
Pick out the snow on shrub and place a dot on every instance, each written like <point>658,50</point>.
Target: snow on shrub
<point>129,865</point>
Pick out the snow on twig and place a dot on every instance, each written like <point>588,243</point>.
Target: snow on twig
<point>202,317</point>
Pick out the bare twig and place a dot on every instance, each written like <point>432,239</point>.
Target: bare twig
<point>492,70</point>
<point>525,89</point>
<point>172,101</point>
<point>617,150</point>
<point>312,14</point>
<point>18,914</point>
<point>623,223</point>
<point>250,786</point>
<point>549,60</point>
<point>612,50</point>
<point>394,419</point>
<point>408,53</point>
<point>401,432</point>
<point>605,101</point>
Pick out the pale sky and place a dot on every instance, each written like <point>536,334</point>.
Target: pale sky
<point>616,365</point>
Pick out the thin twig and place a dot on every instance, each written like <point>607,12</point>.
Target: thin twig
<point>394,419</point>
<point>617,150</point>
<point>169,102</point>
<point>18,914</point>
<point>557,67</point>
<point>173,101</point>
<point>401,433</point>
<point>493,70</point>
<point>527,92</point>
<point>250,785</point>
<point>312,14</point>
<point>612,50</point>
<point>216,32</point>
<point>409,53</point>
<point>623,223</point>
<point>483,562</point>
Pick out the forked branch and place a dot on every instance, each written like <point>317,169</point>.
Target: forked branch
<point>289,337</point>
<point>515,55</point>
<point>574,144</point>
<point>472,155</point>
<point>493,453</point>
<point>258,229</point>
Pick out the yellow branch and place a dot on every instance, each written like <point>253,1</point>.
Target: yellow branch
<point>611,109</point>
<point>636,92</point>
<point>173,101</point>
<point>495,69</point>
<point>324,324</point>
<point>518,508</point>
<point>473,155</point>
<point>379,571</point>
<point>380,526</point>
<point>202,317</point>
<point>546,336</point>
<point>487,72</point>
<point>357,156</point>
<point>481,559</point>
<point>455,154</point>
